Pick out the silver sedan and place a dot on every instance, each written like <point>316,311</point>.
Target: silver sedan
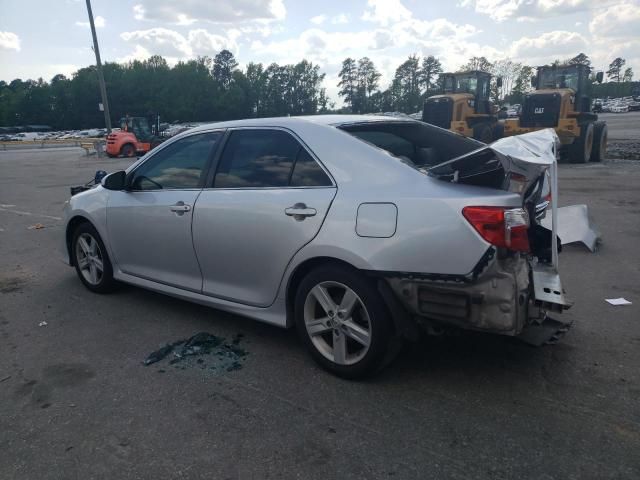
<point>358,230</point>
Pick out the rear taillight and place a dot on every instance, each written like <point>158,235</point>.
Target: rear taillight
<point>501,226</point>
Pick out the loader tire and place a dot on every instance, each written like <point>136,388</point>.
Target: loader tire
<point>580,150</point>
<point>600,138</point>
<point>483,132</point>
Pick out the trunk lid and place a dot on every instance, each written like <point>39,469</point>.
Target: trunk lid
<point>517,164</point>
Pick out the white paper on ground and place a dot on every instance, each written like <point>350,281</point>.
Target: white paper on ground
<point>617,301</point>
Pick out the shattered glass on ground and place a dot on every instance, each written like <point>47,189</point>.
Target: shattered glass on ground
<point>202,350</point>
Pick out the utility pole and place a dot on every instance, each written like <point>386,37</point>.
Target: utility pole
<point>103,89</point>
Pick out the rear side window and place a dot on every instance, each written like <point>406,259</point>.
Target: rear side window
<point>266,158</point>
<point>307,172</point>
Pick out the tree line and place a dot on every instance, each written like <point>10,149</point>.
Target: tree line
<point>203,89</point>
<point>210,89</point>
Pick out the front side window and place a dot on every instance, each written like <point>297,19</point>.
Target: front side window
<point>256,158</point>
<point>180,165</point>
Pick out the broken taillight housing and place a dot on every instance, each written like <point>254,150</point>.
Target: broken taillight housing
<point>501,226</point>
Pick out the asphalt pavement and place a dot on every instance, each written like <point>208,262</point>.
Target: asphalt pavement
<point>76,400</point>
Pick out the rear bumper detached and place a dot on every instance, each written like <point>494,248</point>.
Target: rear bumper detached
<point>509,295</point>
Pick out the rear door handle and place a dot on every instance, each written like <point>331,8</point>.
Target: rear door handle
<point>300,211</point>
<point>180,208</point>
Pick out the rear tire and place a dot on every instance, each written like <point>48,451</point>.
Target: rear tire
<point>580,149</point>
<point>600,139</point>
<point>128,150</point>
<point>91,261</point>
<point>343,321</point>
<point>483,132</point>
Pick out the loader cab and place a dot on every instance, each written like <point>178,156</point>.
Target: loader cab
<point>461,94</point>
<point>463,105</point>
<point>476,83</point>
<point>573,77</point>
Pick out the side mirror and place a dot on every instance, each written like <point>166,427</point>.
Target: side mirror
<point>599,77</point>
<point>115,181</point>
<point>499,82</point>
<point>534,82</point>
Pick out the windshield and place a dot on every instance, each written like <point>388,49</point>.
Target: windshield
<point>559,78</point>
<point>467,84</point>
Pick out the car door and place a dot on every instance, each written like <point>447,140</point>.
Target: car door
<point>267,200</point>
<point>149,223</point>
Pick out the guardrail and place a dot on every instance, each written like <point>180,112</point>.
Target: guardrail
<point>90,144</point>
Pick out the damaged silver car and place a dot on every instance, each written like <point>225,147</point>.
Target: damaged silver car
<point>358,230</point>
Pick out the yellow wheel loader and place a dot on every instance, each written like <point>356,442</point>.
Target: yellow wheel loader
<point>562,101</point>
<point>463,106</point>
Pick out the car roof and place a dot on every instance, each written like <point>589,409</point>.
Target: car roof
<point>327,120</point>
<point>340,152</point>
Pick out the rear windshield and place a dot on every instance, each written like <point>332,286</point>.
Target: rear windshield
<point>416,143</point>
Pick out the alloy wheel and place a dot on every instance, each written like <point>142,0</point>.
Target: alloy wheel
<point>337,323</point>
<point>89,259</point>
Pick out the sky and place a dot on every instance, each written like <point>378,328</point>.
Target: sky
<point>40,38</point>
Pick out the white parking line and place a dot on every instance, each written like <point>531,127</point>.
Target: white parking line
<point>18,212</point>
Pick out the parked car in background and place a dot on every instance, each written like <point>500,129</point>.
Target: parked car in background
<point>358,230</point>
<point>514,110</point>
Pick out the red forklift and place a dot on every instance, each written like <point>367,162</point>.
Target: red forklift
<point>137,135</point>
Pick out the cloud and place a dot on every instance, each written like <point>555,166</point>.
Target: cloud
<point>161,41</point>
<point>558,44</point>
<point>501,10</point>
<point>99,22</point>
<point>340,19</point>
<point>187,12</point>
<point>382,39</point>
<point>139,53</point>
<point>335,20</point>
<point>9,41</point>
<point>385,12</point>
<point>617,21</point>
<point>204,43</point>
<point>171,44</point>
<point>318,19</point>
<point>315,45</point>
<point>614,33</point>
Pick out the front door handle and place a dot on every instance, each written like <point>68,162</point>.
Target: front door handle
<point>180,208</point>
<point>300,211</point>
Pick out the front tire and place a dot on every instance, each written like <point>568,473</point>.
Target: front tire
<point>343,321</point>
<point>128,150</point>
<point>580,149</point>
<point>600,138</point>
<point>91,260</point>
